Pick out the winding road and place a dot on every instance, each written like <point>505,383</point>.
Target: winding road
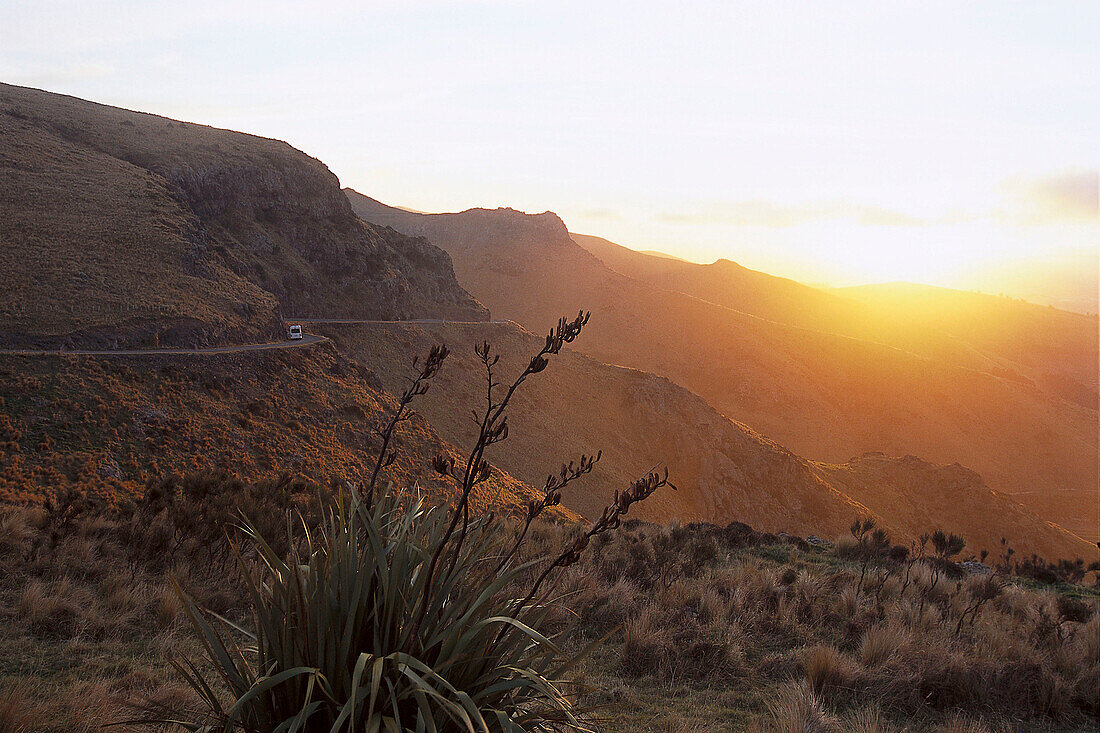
<point>414,321</point>
<point>306,340</point>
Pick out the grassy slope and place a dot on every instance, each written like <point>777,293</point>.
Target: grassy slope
<point>708,628</point>
<point>824,396</point>
<point>724,471</point>
<point>109,425</point>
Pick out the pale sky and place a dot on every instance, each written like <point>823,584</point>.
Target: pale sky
<point>843,143</point>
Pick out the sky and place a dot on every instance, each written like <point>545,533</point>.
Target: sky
<point>837,143</point>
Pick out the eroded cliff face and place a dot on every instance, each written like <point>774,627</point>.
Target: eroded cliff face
<point>279,219</point>
<point>123,228</point>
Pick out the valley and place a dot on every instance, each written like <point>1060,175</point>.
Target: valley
<point>572,367</point>
<point>762,393</point>
<point>826,395</point>
<point>852,475</point>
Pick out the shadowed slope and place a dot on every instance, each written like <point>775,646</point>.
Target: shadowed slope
<point>118,227</point>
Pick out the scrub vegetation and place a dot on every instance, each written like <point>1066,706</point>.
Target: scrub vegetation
<point>250,606</point>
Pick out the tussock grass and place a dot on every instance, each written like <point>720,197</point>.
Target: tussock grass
<point>880,643</point>
<point>827,668</point>
<point>796,709</point>
<point>729,642</point>
<point>19,709</point>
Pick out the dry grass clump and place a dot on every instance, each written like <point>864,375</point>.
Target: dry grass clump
<point>646,644</point>
<point>81,706</point>
<point>20,710</point>
<point>866,720</point>
<point>880,643</point>
<point>688,648</point>
<point>962,724</point>
<point>56,609</point>
<point>797,709</point>
<point>827,668</point>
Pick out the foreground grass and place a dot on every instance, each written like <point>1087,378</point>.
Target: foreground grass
<point>708,629</point>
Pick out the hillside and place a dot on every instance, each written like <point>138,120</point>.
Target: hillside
<point>124,228</point>
<point>825,396</point>
<point>723,470</point>
<point>727,283</point>
<point>109,426</point>
<point>1055,349</point>
<point>1058,350</point>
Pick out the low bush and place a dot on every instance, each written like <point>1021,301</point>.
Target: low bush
<point>400,615</point>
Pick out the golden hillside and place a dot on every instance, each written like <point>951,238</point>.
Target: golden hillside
<point>109,425</point>
<point>825,396</point>
<point>723,470</point>
<point>1056,350</point>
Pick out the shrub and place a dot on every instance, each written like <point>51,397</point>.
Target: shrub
<point>397,615</point>
<point>946,545</point>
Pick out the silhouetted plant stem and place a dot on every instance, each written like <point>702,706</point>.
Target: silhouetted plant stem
<point>419,386</point>
<point>551,497</point>
<point>611,518</point>
<point>493,429</point>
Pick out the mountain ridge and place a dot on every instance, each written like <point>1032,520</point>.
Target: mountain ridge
<point>234,229</point>
<point>826,397</point>
<point>932,316</point>
<point>724,471</point>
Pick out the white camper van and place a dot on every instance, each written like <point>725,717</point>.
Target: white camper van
<point>294,331</point>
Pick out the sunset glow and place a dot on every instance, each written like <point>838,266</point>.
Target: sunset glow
<point>564,366</point>
<point>840,144</point>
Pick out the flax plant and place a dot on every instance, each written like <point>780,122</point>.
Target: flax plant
<point>400,615</point>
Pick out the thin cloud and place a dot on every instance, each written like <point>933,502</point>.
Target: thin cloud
<point>1072,195</point>
<point>55,75</point>
<point>1066,196</point>
<point>771,214</point>
<point>599,214</point>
